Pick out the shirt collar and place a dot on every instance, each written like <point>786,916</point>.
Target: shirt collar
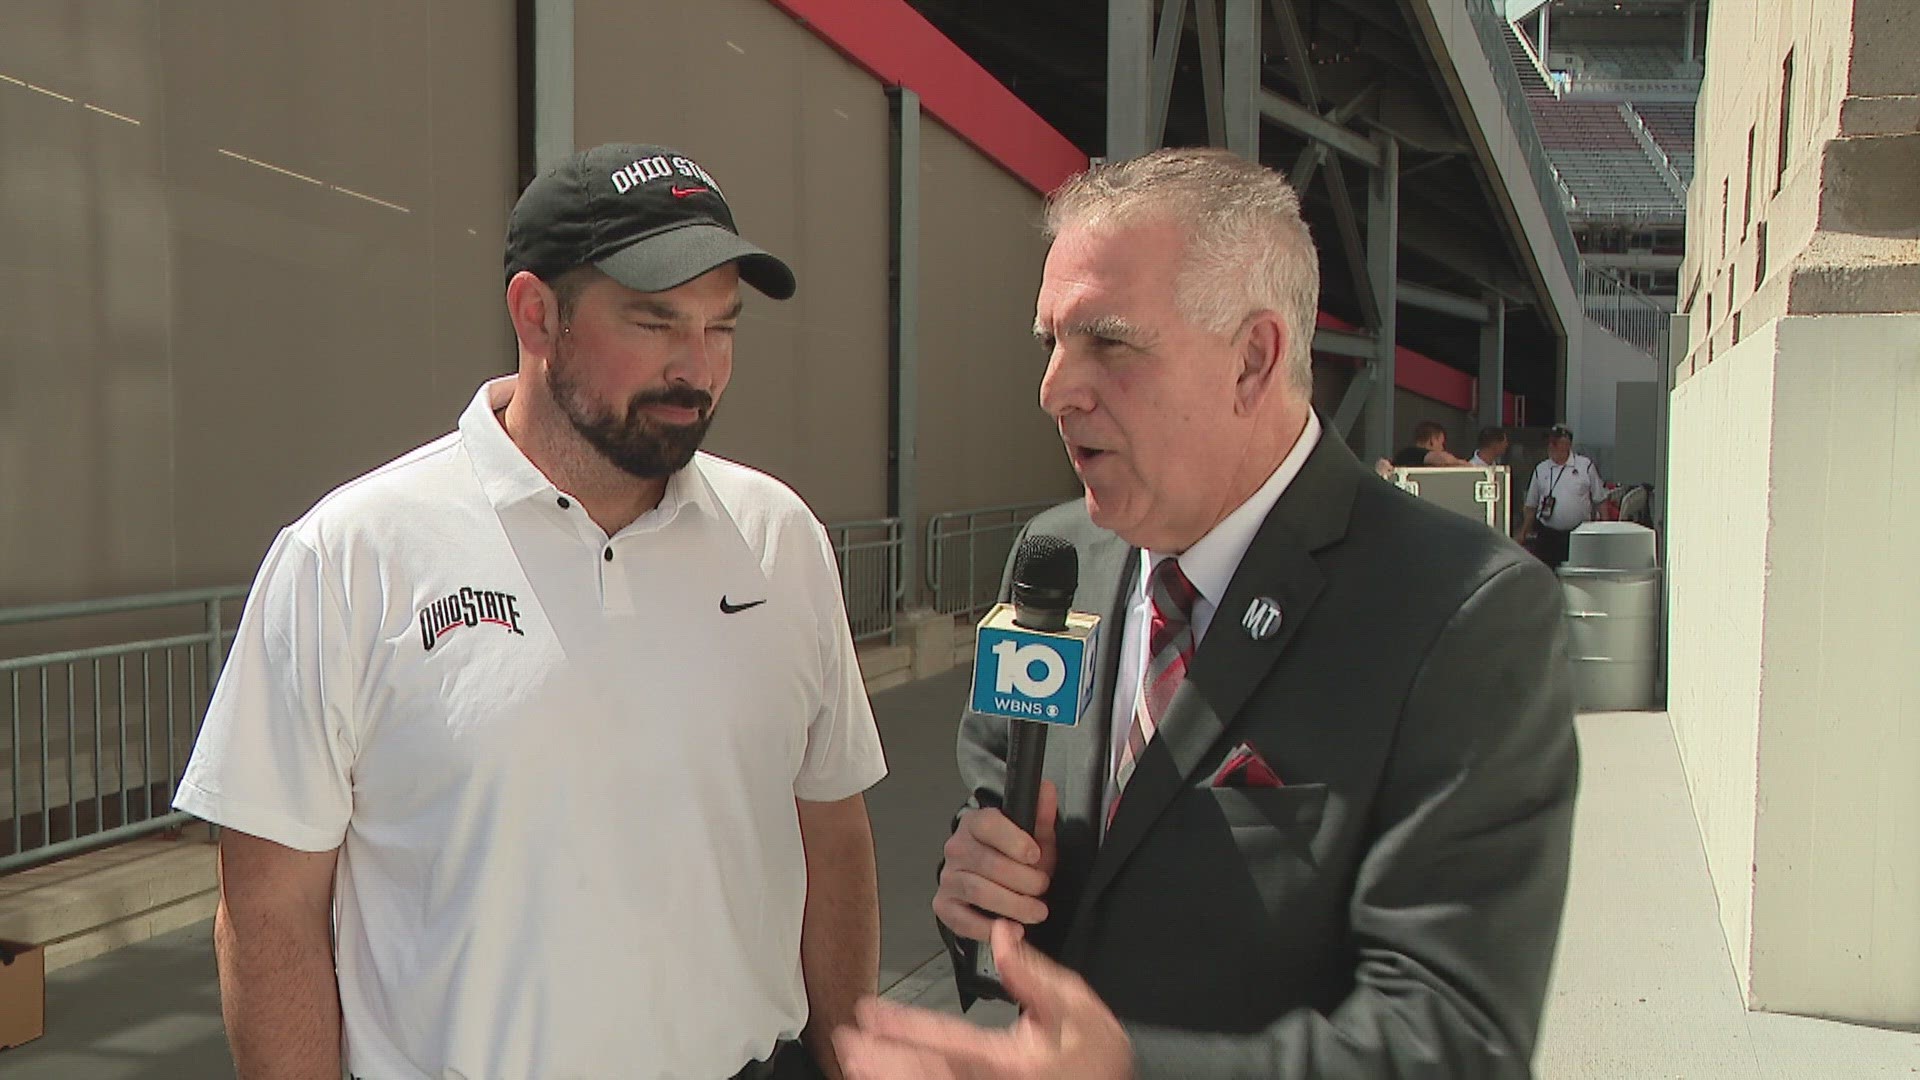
<point>509,478</point>
<point>1211,562</point>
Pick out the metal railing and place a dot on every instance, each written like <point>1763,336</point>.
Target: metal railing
<point>871,581</point>
<point>96,738</point>
<point>1493,28</point>
<point>1609,85</point>
<point>1644,136</point>
<point>1539,64</point>
<point>967,551</point>
<point>1629,313</point>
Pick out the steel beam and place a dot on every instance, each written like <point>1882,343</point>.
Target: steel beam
<point>1493,364</point>
<point>1166,57</point>
<point>1206,18</point>
<point>1301,120</point>
<point>1316,152</point>
<point>552,82</point>
<point>1347,223</point>
<point>1303,169</point>
<point>1242,78</point>
<point>1129,77</point>
<point>1343,213</point>
<point>1358,392</point>
<point>1342,343</point>
<point>1383,267</point>
<point>903,458</point>
<point>1443,303</point>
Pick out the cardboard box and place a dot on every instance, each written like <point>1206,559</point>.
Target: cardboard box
<point>23,993</point>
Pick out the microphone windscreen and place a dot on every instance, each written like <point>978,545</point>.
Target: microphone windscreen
<point>1048,563</point>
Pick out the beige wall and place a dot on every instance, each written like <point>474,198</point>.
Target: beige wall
<point>1793,629</point>
<point>288,270</point>
<point>1717,566</point>
<point>1840,231</point>
<point>798,137</point>
<point>983,439</point>
<point>1837,867</point>
<point>198,345</point>
<point>1793,600</point>
<point>801,139</point>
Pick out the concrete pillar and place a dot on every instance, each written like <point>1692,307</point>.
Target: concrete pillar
<point>931,637</point>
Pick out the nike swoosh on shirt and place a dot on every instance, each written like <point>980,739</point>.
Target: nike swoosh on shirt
<point>731,609</point>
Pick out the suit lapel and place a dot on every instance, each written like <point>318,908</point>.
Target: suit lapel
<point>1232,661</point>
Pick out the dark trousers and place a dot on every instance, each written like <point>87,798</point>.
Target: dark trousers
<point>790,1061</point>
<point>1550,545</point>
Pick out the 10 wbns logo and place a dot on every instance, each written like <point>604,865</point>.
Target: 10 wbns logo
<point>1014,674</point>
<point>1024,674</point>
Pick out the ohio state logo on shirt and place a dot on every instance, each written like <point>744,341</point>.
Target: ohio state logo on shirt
<point>469,607</point>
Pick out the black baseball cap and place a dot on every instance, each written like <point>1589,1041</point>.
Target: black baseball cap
<point>648,217</point>
<point>1559,431</point>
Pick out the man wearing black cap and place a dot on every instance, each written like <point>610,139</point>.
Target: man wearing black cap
<point>1565,489</point>
<point>540,750</point>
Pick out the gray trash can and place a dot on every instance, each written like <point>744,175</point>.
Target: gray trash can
<point>1612,545</point>
<point>1613,615</point>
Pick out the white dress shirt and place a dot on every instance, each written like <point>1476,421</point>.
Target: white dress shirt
<point>1210,565</point>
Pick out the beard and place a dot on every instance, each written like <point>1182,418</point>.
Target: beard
<point>629,438</point>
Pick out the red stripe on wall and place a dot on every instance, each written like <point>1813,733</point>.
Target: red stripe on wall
<point>896,45</point>
<point>1421,374</point>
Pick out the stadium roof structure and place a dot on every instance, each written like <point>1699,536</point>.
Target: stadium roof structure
<point>1406,112</point>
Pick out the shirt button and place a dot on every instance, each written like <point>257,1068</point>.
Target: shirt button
<point>564,502</point>
<point>609,554</point>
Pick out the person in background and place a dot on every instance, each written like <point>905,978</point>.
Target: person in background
<point>1565,490</point>
<point>1429,448</point>
<point>1493,443</point>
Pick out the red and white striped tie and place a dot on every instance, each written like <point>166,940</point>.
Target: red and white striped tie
<point>1170,647</point>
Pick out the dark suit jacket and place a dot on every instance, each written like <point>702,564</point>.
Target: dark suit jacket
<point>1392,910</point>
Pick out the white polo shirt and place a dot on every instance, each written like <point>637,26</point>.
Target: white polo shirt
<point>561,767</point>
<point>1576,490</point>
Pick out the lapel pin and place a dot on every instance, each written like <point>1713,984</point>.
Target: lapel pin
<point>1262,619</point>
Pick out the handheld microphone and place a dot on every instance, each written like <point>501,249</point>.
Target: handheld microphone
<point>1033,664</point>
<point>1045,576</point>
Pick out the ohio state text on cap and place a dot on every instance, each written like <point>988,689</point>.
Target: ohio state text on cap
<point>649,217</point>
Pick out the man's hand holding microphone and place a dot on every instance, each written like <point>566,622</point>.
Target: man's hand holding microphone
<point>994,869</point>
<point>1032,665</point>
